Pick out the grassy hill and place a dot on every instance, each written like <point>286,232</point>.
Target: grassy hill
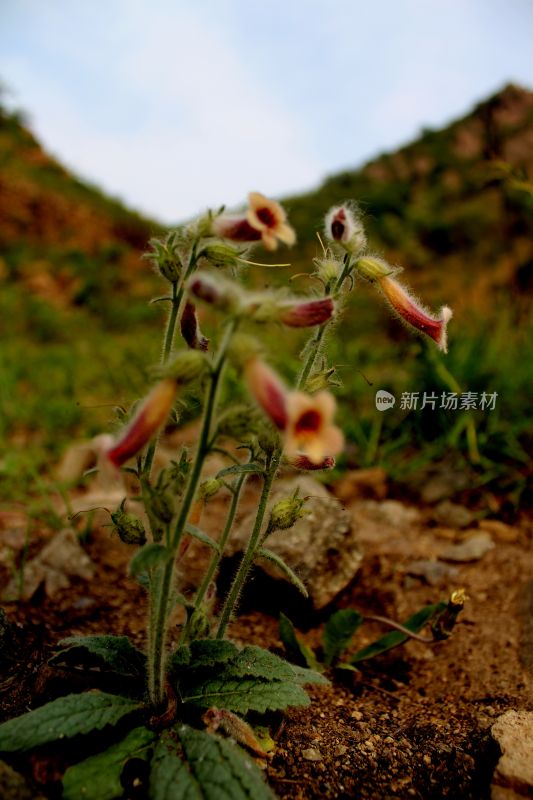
<point>455,208</point>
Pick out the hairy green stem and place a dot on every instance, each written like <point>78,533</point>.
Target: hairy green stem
<point>156,662</point>
<point>217,556</point>
<point>250,552</point>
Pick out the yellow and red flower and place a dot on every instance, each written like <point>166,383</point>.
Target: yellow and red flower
<point>265,221</point>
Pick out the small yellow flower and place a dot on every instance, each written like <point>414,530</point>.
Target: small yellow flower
<point>269,218</point>
<point>309,429</point>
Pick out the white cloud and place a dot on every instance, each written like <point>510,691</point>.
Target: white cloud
<point>201,133</point>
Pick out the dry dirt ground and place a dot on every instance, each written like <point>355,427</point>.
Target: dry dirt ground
<point>414,723</point>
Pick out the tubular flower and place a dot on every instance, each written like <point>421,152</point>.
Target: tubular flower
<point>147,420</point>
<point>308,313</point>
<point>190,328</point>
<point>265,221</point>
<point>309,431</point>
<point>268,391</point>
<point>413,313</point>
<point>304,463</point>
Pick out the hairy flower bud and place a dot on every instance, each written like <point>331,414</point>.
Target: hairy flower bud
<point>147,420</point>
<point>187,367</point>
<point>221,255</point>
<point>285,513</point>
<point>209,488</point>
<point>128,527</point>
<point>240,422</point>
<point>190,328</point>
<point>268,391</point>
<point>222,294</point>
<point>344,226</point>
<point>308,313</point>
<point>412,312</point>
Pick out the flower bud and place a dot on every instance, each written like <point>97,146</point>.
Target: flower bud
<point>187,367</point>
<point>268,391</point>
<point>285,513</point>
<point>190,329</point>
<point>412,312</point>
<point>328,269</point>
<point>308,313</point>
<point>222,294</point>
<point>242,349</point>
<point>199,625</point>
<point>342,225</point>
<point>209,488</point>
<point>221,255</point>
<point>165,257</point>
<point>151,414</point>
<point>128,527</point>
<point>162,506</point>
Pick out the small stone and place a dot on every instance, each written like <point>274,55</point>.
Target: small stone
<point>471,549</point>
<point>340,750</point>
<point>513,731</point>
<point>356,715</point>
<point>500,531</point>
<point>311,754</point>
<point>433,572</point>
<point>453,515</point>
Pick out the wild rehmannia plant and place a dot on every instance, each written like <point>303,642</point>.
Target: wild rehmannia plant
<point>166,689</point>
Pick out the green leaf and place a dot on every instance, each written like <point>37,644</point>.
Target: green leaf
<point>64,718</point>
<point>198,534</point>
<point>114,653</point>
<point>304,676</point>
<point>98,777</point>
<point>245,695</point>
<point>390,640</point>
<point>208,652</point>
<point>296,650</point>
<point>287,571</point>
<point>338,632</point>
<point>239,469</point>
<point>148,557</point>
<point>256,662</point>
<point>210,768</point>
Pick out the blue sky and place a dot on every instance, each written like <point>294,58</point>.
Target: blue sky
<point>176,106</point>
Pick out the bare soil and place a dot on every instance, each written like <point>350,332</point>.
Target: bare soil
<point>414,723</point>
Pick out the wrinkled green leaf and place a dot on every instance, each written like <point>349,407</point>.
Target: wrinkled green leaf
<point>395,638</point>
<point>64,718</point>
<point>114,653</point>
<point>147,558</point>
<point>338,633</point>
<point>195,765</point>
<point>208,652</point>
<point>256,662</point>
<point>296,650</point>
<point>245,695</point>
<point>98,777</point>
<point>202,537</point>
<point>269,555</point>
<point>303,676</point>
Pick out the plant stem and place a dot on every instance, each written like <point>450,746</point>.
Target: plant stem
<point>217,556</point>
<point>253,543</point>
<point>314,347</point>
<point>157,638</point>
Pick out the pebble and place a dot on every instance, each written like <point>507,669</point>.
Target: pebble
<point>311,754</point>
<point>500,531</point>
<point>340,750</point>
<point>471,549</point>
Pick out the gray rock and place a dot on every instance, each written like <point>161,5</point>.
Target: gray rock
<point>321,547</point>
<point>513,777</point>
<point>471,549</point>
<point>433,572</point>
